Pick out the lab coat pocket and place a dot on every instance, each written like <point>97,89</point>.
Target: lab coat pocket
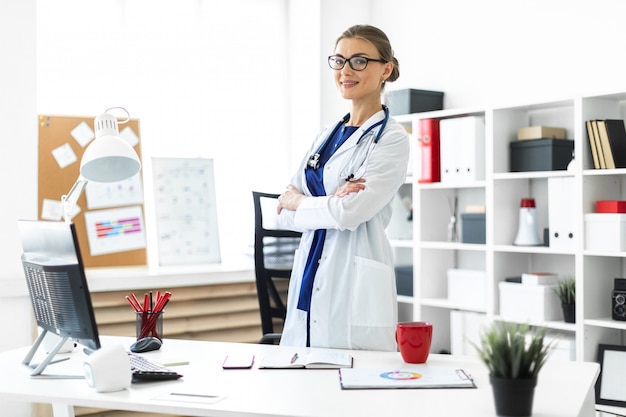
<point>372,298</point>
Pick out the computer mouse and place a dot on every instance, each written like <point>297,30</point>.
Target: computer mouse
<point>146,344</point>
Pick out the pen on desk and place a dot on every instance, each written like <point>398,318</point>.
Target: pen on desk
<point>179,363</point>
<point>294,357</point>
<point>185,394</point>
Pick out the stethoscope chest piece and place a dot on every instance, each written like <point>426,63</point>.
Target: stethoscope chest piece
<point>314,161</point>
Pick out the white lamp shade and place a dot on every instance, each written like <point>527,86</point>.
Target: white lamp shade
<point>109,158</point>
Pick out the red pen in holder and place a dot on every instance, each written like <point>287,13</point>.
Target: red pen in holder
<point>149,324</point>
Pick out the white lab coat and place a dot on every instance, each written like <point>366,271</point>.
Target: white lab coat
<point>354,301</point>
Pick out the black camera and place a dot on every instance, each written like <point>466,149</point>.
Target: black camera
<point>619,299</point>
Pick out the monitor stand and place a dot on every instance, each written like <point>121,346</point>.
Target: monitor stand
<point>36,370</point>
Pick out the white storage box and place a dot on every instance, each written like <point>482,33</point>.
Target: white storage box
<point>465,329</point>
<point>605,231</point>
<point>467,287</point>
<point>529,302</point>
<point>563,347</point>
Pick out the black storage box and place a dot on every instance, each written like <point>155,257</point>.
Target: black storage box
<point>473,228</point>
<point>541,154</point>
<point>404,280</point>
<point>409,101</point>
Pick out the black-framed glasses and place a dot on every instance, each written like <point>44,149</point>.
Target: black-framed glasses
<point>357,63</point>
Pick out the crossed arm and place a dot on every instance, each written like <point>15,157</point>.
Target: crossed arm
<point>292,198</point>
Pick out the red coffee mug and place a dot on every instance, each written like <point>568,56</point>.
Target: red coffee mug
<point>413,339</point>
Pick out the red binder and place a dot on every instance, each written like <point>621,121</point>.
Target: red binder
<point>428,136</point>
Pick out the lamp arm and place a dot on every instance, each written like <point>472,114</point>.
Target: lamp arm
<point>69,200</point>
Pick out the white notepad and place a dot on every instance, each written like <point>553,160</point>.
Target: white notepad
<point>310,360</point>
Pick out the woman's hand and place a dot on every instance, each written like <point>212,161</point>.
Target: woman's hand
<point>290,199</point>
<point>353,186</point>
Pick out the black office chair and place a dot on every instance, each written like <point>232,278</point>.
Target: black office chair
<point>273,260</point>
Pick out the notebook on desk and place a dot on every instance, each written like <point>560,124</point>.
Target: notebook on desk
<point>308,360</point>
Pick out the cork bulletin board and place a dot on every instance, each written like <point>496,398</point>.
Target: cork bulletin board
<point>62,142</point>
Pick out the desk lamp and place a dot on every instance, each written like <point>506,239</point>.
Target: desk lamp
<point>109,158</point>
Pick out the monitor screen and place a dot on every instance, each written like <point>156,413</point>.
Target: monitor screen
<point>56,281</point>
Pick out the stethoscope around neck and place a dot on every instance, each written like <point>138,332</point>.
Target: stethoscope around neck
<point>314,160</point>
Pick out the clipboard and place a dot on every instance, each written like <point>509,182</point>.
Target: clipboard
<point>414,377</point>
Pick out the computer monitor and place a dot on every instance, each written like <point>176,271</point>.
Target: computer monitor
<point>58,289</point>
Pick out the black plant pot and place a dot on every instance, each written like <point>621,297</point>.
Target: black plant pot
<point>569,313</point>
<point>513,397</point>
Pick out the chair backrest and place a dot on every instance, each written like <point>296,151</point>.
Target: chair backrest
<point>273,260</point>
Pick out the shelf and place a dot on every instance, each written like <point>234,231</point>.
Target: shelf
<point>553,325</point>
<point>562,198</point>
<point>439,114</point>
<point>531,175</point>
<point>451,185</point>
<point>452,246</point>
<point>445,303</point>
<point>131,278</point>
<point>405,299</point>
<point>531,249</point>
<point>606,322</point>
<point>605,254</point>
<point>598,172</point>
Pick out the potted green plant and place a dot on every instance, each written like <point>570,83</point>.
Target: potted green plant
<point>514,354</point>
<point>566,291</point>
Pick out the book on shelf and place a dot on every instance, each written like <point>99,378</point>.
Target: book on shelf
<point>421,376</point>
<point>616,133</point>
<point>307,360</point>
<point>609,161</point>
<point>596,135</point>
<point>539,278</point>
<point>592,144</point>
<point>540,132</point>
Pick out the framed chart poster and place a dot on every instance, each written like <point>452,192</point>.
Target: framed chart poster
<point>186,211</point>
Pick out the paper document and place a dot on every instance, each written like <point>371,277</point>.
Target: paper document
<point>414,377</point>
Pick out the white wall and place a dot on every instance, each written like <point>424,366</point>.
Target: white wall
<point>336,16</point>
<point>205,79</point>
<point>493,52</point>
<point>18,160</point>
<point>489,52</point>
<point>18,164</point>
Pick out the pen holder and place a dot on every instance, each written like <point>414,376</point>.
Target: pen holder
<point>149,324</point>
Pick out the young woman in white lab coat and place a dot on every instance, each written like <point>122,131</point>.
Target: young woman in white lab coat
<point>342,292</point>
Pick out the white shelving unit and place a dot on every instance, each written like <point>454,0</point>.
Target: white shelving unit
<point>501,192</point>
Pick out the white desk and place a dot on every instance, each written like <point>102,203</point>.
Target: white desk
<point>564,388</point>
